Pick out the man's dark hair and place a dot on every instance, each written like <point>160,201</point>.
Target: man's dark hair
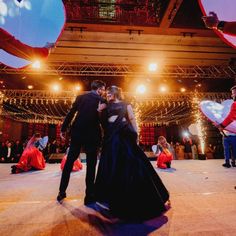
<point>96,84</point>
<point>234,87</point>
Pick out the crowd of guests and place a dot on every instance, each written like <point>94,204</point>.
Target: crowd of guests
<point>11,151</point>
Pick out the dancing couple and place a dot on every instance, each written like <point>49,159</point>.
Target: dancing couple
<point>126,180</point>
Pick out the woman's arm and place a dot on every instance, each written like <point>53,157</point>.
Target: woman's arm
<point>131,117</point>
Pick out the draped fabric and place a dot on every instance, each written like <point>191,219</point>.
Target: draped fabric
<point>31,159</point>
<point>77,166</point>
<point>126,180</point>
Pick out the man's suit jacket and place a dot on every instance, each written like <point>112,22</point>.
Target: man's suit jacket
<point>86,124</point>
<point>5,152</point>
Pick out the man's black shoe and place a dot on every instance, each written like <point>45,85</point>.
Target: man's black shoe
<point>61,196</point>
<point>233,164</point>
<point>13,169</point>
<point>227,165</point>
<point>168,164</point>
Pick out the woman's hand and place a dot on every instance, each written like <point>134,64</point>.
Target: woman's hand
<point>101,106</point>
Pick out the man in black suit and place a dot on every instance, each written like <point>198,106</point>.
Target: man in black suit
<point>86,133</point>
<point>8,152</point>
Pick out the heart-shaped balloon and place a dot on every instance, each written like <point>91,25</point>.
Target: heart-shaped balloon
<point>225,10</point>
<point>33,22</point>
<point>217,112</point>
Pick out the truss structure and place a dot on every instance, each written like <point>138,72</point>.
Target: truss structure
<point>167,71</point>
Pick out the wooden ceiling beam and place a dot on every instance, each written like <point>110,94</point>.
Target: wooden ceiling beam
<point>170,13</point>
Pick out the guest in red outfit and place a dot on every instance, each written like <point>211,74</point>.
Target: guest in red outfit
<point>163,152</point>
<point>76,166</point>
<point>232,114</point>
<point>32,157</point>
<point>229,138</point>
<point>15,47</point>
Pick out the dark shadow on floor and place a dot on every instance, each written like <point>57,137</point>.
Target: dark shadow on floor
<point>101,219</point>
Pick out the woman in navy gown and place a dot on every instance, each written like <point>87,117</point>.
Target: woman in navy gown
<point>126,180</point>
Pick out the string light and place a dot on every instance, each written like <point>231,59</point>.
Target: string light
<point>161,108</point>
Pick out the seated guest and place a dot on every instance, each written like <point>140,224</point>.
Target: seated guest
<point>163,153</point>
<point>76,166</point>
<point>179,150</point>
<point>32,157</point>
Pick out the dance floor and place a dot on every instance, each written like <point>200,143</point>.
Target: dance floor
<point>203,202</point>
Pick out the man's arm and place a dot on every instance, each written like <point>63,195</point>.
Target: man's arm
<point>70,115</point>
<point>231,116</point>
<point>17,48</point>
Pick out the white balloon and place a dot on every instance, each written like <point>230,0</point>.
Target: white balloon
<point>217,112</point>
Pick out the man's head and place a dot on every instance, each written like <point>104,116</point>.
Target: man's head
<point>98,86</point>
<point>233,92</point>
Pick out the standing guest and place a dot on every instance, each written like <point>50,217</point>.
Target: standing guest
<point>194,151</point>
<point>212,22</point>
<point>8,152</point>
<point>229,138</point>
<point>18,150</point>
<point>32,157</point>
<point>126,180</point>
<point>232,113</point>
<point>229,144</point>
<point>187,142</point>
<point>85,132</point>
